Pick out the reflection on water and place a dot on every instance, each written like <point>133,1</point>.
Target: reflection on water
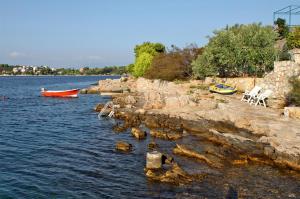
<point>57,148</point>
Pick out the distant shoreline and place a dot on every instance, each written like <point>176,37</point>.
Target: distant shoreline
<point>53,75</point>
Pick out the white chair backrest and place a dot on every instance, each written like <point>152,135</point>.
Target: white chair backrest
<point>255,91</point>
<point>266,94</point>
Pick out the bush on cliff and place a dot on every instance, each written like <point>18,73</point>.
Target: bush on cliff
<point>144,55</point>
<point>294,95</point>
<point>240,50</point>
<point>175,64</point>
<point>293,39</point>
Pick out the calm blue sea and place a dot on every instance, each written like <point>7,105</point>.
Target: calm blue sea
<point>57,148</point>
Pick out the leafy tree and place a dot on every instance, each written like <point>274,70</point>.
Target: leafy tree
<point>293,39</point>
<point>144,55</point>
<point>129,68</point>
<point>282,28</point>
<point>142,63</point>
<point>148,47</point>
<point>240,50</point>
<point>175,64</point>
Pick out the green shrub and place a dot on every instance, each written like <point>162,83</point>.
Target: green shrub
<point>284,54</point>
<point>142,63</point>
<point>144,55</point>
<point>294,95</point>
<point>240,50</point>
<point>130,68</point>
<point>293,39</point>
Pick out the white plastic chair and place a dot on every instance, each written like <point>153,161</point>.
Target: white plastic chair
<point>261,99</point>
<point>248,95</point>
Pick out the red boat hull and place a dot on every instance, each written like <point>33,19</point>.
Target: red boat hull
<point>65,93</point>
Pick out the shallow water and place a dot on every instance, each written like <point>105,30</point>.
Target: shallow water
<point>57,148</point>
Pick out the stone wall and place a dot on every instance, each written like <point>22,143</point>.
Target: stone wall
<point>295,55</point>
<point>159,93</point>
<point>278,79</point>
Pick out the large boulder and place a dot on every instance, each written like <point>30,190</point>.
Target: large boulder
<point>90,90</point>
<point>113,85</point>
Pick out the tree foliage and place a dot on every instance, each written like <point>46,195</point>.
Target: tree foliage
<point>175,64</point>
<point>282,28</point>
<point>144,55</point>
<point>142,63</point>
<point>150,48</point>
<point>107,70</point>
<point>293,39</point>
<point>240,50</point>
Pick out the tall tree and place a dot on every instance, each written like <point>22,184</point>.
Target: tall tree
<point>238,51</point>
<point>144,55</point>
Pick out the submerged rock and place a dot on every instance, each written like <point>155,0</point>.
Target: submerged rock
<point>152,145</point>
<point>138,133</point>
<point>166,159</point>
<point>175,175</point>
<point>118,128</point>
<point>185,151</point>
<point>99,107</point>
<point>123,146</point>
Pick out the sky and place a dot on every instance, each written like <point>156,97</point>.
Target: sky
<point>97,33</point>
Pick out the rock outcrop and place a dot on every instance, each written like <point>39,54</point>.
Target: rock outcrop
<point>138,133</point>
<point>123,146</point>
<point>171,135</point>
<point>175,175</point>
<point>183,150</point>
<point>292,112</point>
<point>90,90</point>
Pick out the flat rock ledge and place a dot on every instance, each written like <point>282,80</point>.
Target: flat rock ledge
<point>166,107</point>
<point>258,147</point>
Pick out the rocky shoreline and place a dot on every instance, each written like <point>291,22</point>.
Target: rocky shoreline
<point>237,133</point>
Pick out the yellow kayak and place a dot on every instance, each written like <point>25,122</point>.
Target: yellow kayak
<point>224,89</point>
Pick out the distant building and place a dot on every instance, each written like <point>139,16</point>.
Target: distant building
<point>23,69</point>
<point>34,69</point>
<point>81,70</point>
<point>15,70</point>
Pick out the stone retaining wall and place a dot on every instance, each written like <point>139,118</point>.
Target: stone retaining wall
<point>278,79</point>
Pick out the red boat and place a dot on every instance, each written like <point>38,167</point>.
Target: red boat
<point>63,93</point>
